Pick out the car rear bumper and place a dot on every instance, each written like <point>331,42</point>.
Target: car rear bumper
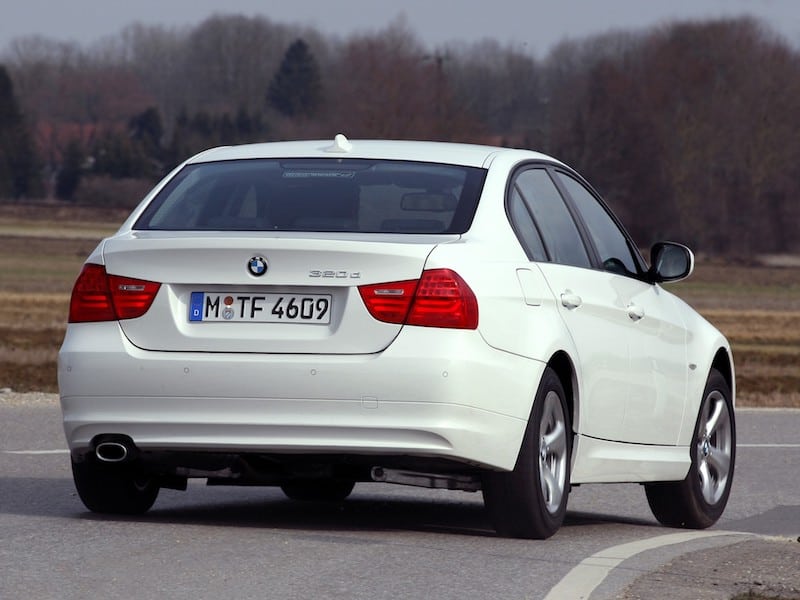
<point>432,393</point>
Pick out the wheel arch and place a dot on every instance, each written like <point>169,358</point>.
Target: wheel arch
<point>724,364</point>
<point>563,366</point>
<point>722,361</point>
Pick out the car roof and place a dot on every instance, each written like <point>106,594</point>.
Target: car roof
<point>471,155</point>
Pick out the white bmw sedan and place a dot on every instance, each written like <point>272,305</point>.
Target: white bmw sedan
<point>314,314</point>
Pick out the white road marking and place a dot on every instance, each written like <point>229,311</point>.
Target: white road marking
<point>34,452</point>
<point>768,445</point>
<point>767,409</point>
<point>584,578</point>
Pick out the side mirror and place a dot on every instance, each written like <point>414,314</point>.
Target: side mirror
<point>670,262</point>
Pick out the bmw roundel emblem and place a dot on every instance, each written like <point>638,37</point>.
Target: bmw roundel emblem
<point>257,265</point>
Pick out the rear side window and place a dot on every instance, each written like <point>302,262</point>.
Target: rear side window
<point>524,226</point>
<point>352,195</point>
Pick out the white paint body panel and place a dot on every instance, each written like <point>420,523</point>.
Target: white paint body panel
<point>634,371</point>
<point>604,461</point>
<point>370,388</point>
<point>428,394</point>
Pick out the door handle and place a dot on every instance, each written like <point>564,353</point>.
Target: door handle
<point>570,300</point>
<point>635,312</point>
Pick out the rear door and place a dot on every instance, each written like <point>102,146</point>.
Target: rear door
<point>588,300</point>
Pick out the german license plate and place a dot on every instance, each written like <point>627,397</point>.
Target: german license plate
<point>260,308</point>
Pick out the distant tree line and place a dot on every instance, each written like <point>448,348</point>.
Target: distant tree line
<point>691,131</point>
<point>18,168</point>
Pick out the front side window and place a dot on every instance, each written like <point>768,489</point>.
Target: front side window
<point>558,231</point>
<point>352,195</point>
<point>611,243</point>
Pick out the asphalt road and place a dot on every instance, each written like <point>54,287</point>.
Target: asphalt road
<point>386,541</point>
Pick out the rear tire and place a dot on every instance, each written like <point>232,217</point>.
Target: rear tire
<point>699,500</point>
<point>531,501</point>
<point>113,489</point>
<point>318,490</point>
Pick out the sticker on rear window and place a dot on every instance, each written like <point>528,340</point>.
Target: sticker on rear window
<point>318,174</point>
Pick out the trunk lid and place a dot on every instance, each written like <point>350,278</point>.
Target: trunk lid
<point>305,302</point>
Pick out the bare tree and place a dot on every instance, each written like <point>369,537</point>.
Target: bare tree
<point>387,85</point>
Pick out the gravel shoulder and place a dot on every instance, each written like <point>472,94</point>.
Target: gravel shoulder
<point>9,397</point>
<point>766,566</point>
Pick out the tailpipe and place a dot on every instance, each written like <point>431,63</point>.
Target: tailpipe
<point>111,452</point>
<point>114,448</point>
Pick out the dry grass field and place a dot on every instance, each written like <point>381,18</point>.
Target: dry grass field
<point>42,249</point>
<point>758,309</point>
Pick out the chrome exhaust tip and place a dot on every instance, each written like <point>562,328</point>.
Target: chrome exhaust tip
<point>111,452</point>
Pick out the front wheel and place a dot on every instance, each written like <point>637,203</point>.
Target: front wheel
<point>531,501</point>
<point>699,500</point>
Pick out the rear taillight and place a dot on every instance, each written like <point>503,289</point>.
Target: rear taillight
<point>98,296</point>
<point>443,299</point>
<point>389,302</point>
<point>440,298</point>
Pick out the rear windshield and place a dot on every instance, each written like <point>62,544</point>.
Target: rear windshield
<point>353,195</point>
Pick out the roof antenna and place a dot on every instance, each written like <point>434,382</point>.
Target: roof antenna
<point>340,144</point>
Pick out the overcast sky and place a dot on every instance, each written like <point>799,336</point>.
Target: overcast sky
<point>536,24</point>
